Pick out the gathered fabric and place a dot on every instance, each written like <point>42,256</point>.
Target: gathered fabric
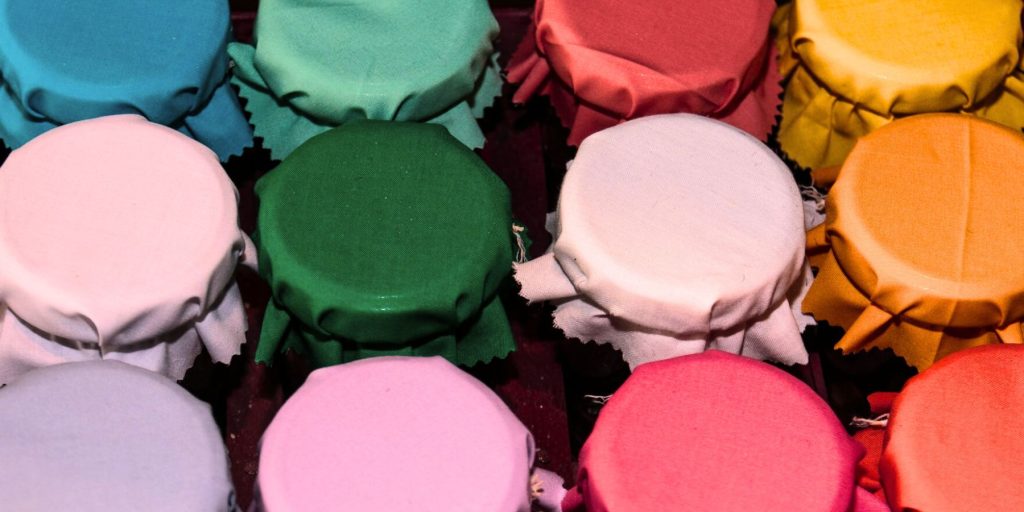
<point>853,67</point>
<point>711,58</point>
<point>310,69</point>
<point>915,254</point>
<point>676,234</point>
<point>119,239</point>
<point>60,63</point>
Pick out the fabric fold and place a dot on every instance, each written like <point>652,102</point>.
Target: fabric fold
<point>152,278</point>
<point>851,69</point>
<point>596,74</point>
<point>174,74</point>
<point>654,264</point>
<point>368,69</point>
<point>912,257</point>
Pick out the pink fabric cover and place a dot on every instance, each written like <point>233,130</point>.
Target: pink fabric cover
<point>609,61</point>
<point>677,233</point>
<point>118,240</point>
<point>397,433</point>
<point>717,432</point>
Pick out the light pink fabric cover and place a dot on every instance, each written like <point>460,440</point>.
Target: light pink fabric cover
<point>677,234</point>
<point>119,240</point>
<point>397,433</point>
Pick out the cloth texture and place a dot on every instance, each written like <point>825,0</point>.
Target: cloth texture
<point>609,61</point>
<point>679,436</point>
<point>63,62</point>
<point>677,233</point>
<point>385,238</point>
<point>952,441</point>
<point>920,254</point>
<point>396,433</point>
<point>103,436</point>
<point>317,65</point>
<point>854,66</point>
<point>119,239</point>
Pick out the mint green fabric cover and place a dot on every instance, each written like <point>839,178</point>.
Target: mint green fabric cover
<point>315,65</point>
<point>384,238</point>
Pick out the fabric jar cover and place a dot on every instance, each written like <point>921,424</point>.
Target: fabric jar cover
<point>316,67</point>
<point>118,240</point>
<point>385,238</point>
<point>104,436</point>
<point>398,433</point>
<point>677,233</point>
<point>69,61</point>
<point>608,61</point>
<point>853,66</point>
<point>716,432</point>
<point>953,440</point>
<point>918,252</point>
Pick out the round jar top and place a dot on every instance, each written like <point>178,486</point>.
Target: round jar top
<point>678,212</point>
<point>110,218</point>
<point>106,436</point>
<point>714,431</point>
<point>923,216</point>
<point>376,59</point>
<point>909,56</point>
<point>384,231</point>
<point>952,441</point>
<point>61,57</point>
<point>647,57</point>
<point>395,433</point>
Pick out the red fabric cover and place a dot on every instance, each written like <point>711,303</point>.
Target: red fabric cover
<point>954,437</point>
<point>716,432</point>
<point>612,61</point>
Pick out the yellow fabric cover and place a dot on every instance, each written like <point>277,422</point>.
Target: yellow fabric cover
<point>855,65</point>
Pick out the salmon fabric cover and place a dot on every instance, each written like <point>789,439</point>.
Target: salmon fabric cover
<point>954,440</point>
<point>608,61</point>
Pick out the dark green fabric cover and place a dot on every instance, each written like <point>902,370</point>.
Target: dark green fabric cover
<point>384,238</point>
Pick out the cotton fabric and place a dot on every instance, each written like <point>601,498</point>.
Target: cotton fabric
<point>676,233</point>
<point>103,436</point>
<point>952,442</point>
<point>385,238</point>
<point>397,433</point>
<point>69,61</point>
<point>855,66</point>
<point>920,251</point>
<point>314,66</point>
<point>119,239</point>
<point>702,432</point>
<point>607,61</point>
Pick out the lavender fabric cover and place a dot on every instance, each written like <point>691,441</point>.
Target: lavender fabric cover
<point>398,433</point>
<point>676,234</point>
<point>108,437</point>
<point>119,239</point>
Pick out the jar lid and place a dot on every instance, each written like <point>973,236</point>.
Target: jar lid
<point>951,441</point>
<point>909,56</point>
<point>615,61</point>
<point>105,436</point>
<point>385,238</point>
<point>68,61</point>
<point>717,432</point>
<point>314,67</point>
<point>923,255</point>
<point>395,433</point>
<point>116,231</point>
<point>676,233</point>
